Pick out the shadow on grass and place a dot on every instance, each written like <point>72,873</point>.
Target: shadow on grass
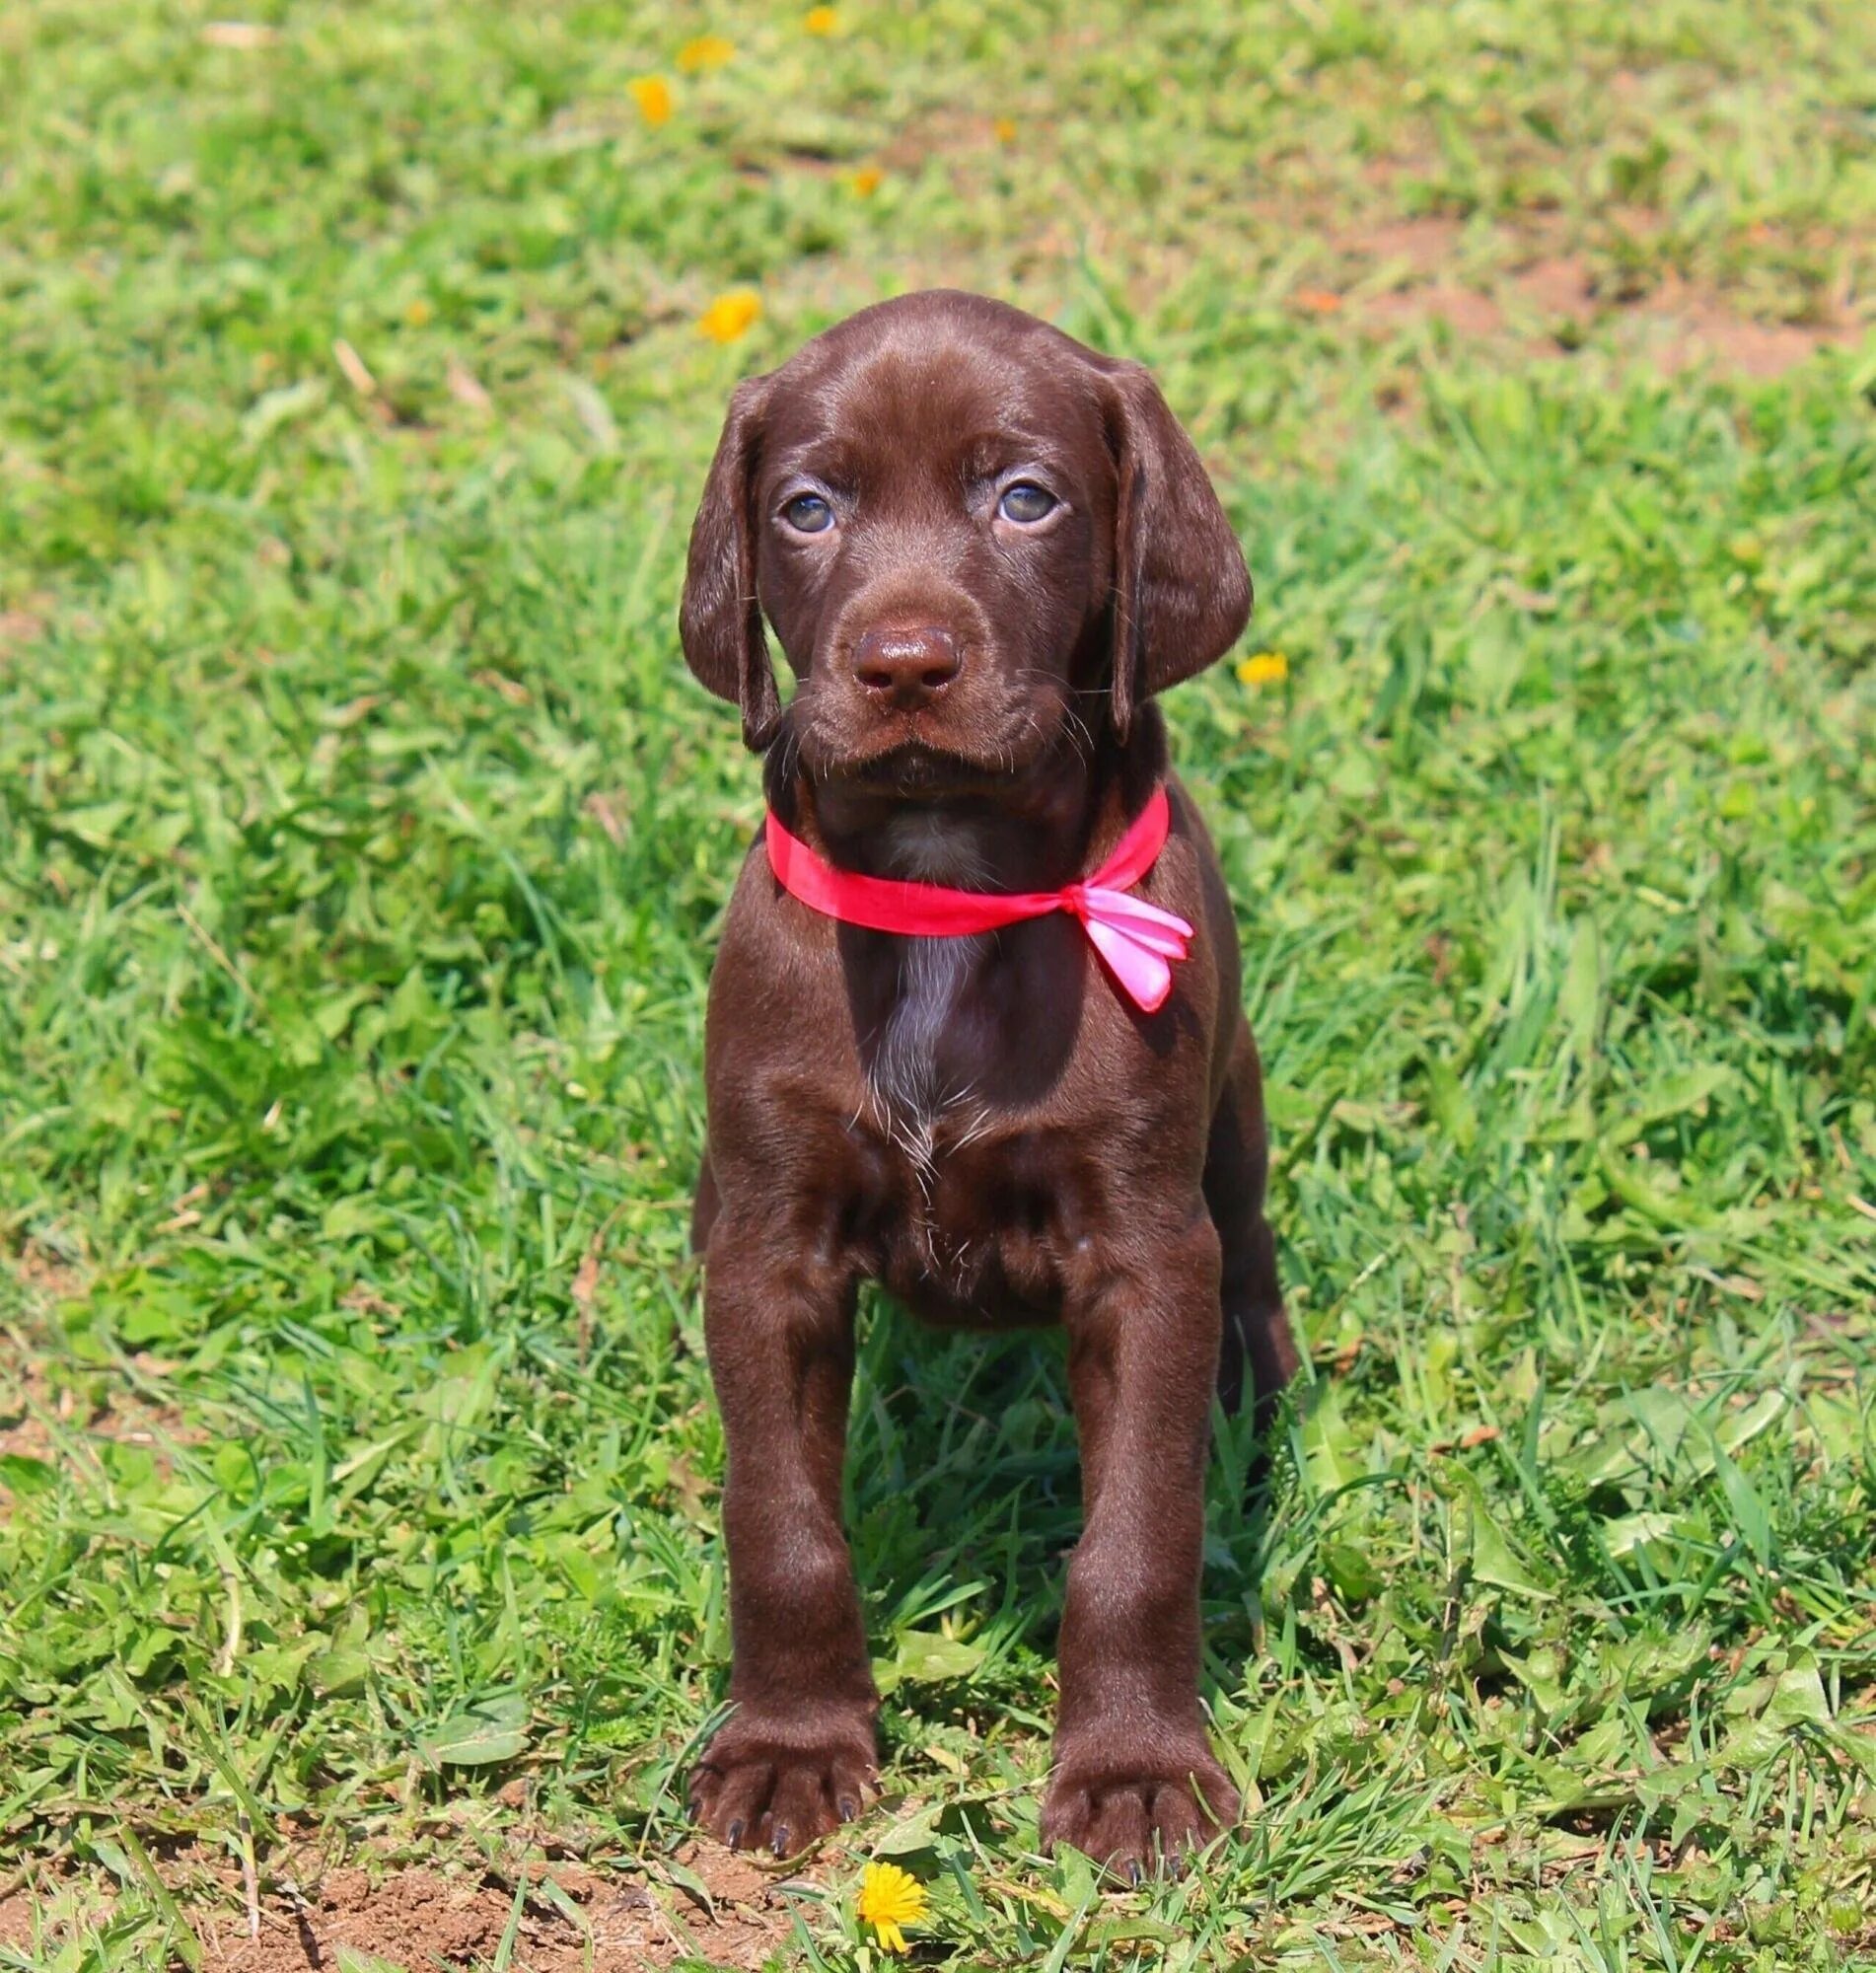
<point>963,1483</point>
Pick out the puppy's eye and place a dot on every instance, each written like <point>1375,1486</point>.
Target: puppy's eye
<point>808,514</point>
<point>1026,503</point>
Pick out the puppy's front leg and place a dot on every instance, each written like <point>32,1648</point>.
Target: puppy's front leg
<point>798,1754</point>
<point>1133,1778</point>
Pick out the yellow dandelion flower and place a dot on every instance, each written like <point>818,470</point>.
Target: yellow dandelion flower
<point>705,52</point>
<point>820,21</point>
<point>418,313</point>
<point>1265,668</point>
<point>868,179</point>
<point>731,316</point>
<point>1005,129</point>
<point>890,1898</point>
<point>652,93</point>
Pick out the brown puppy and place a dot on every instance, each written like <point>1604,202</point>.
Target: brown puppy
<point>983,548</point>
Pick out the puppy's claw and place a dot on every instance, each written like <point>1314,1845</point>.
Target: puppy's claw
<point>766,1791</point>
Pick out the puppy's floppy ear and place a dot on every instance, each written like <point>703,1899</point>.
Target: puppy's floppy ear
<point>720,620</point>
<point>1182,594</point>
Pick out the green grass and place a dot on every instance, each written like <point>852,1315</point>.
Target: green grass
<point>363,844</point>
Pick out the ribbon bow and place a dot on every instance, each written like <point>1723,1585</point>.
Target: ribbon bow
<point>1137,940</point>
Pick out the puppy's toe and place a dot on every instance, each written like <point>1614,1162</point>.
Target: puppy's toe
<point>730,1802</point>
<point>1178,1824</point>
<point>800,1809</point>
<point>1136,1822</point>
<point>853,1785</point>
<point>757,1789</point>
<point>1117,1833</point>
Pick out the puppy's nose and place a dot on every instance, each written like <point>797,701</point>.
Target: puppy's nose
<point>906,668</point>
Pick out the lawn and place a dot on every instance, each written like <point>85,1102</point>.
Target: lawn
<point>363,845</point>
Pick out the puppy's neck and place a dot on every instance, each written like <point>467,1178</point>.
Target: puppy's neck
<point>933,848</point>
<point>1036,831</point>
<point>940,1020</point>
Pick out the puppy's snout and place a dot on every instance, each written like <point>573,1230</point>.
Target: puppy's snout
<point>906,668</point>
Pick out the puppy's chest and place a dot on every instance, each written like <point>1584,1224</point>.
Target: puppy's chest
<point>973,1205</point>
<point>967,1039</point>
<point>968,1222</point>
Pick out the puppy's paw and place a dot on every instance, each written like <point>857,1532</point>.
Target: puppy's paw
<point>783,1784</point>
<point>1134,1809</point>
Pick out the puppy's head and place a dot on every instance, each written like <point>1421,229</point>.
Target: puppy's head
<point>956,520</point>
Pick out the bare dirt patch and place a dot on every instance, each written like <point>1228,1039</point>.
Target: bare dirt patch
<point>1560,287</point>
<point>423,1919</point>
<point>1694,329</point>
<point>1530,284</point>
<point>28,1408</point>
<point>1424,244</point>
<point>46,1275</point>
<point>1462,309</point>
<point>19,630</point>
<point>1548,299</point>
<point>411,1918</point>
<point>41,1412</point>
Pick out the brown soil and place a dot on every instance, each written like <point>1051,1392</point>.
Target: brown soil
<point>1424,244</point>
<point>45,1277</point>
<point>18,628</point>
<point>36,1407</point>
<point>26,1400</point>
<point>1461,309</point>
<point>1554,297</point>
<point>1520,283</point>
<point>1696,328</point>
<point>420,1920</point>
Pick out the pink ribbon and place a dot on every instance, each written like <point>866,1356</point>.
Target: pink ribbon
<point>1137,940</point>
